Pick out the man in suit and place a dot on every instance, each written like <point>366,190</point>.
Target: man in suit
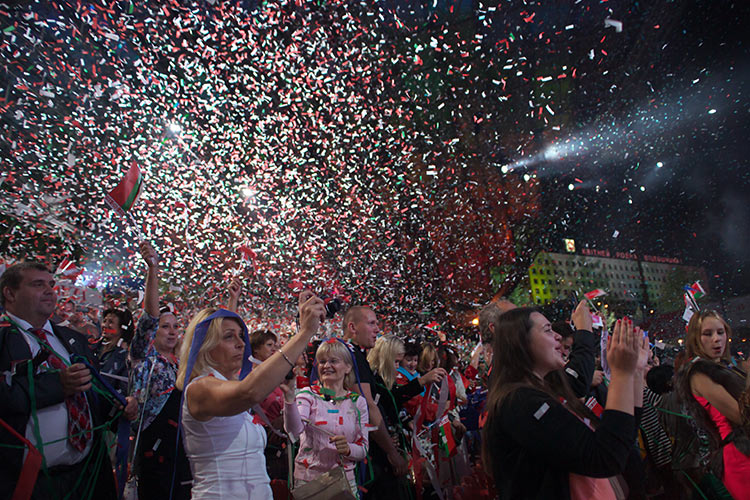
<point>66,410</point>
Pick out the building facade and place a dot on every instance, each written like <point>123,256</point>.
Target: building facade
<point>624,276</point>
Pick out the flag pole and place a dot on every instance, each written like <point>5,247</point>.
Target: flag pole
<point>135,226</point>
<point>591,302</point>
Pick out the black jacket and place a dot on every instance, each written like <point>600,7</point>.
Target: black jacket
<point>581,362</point>
<point>536,443</point>
<point>114,362</point>
<point>15,408</point>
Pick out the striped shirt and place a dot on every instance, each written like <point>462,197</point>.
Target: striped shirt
<point>658,443</point>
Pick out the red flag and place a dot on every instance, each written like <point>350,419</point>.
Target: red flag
<point>594,406</point>
<point>247,253</point>
<point>595,293</point>
<point>68,269</point>
<point>447,443</point>
<point>124,196</point>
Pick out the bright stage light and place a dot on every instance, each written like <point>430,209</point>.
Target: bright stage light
<point>175,128</point>
<point>659,164</point>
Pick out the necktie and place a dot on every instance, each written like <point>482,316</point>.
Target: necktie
<point>79,422</point>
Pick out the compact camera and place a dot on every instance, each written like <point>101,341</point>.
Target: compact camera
<point>332,307</point>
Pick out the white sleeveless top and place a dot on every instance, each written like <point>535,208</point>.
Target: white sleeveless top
<point>226,455</point>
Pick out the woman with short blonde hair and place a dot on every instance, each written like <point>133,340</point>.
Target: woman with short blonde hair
<point>428,358</point>
<point>223,440</point>
<point>329,418</point>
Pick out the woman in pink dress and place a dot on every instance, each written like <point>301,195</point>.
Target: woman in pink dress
<point>712,388</point>
<point>329,419</point>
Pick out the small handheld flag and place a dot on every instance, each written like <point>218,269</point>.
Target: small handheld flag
<point>124,195</point>
<point>595,293</point>
<point>122,198</point>
<point>691,306</point>
<point>696,290</point>
<point>68,269</point>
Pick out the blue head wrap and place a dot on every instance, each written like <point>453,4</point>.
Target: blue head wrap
<point>200,335</point>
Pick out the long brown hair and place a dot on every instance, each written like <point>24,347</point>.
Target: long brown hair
<point>427,358</point>
<point>512,368</point>
<point>731,379</point>
<point>693,344</point>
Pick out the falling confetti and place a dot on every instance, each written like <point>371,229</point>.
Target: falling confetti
<point>410,157</point>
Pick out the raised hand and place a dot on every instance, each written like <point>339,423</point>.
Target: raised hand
<point>235,287</point>
<point>148,253</point>
<point>644,352</point>
<point>234,290</point>
<point>623,348</point>
<point>312,312</point>
<point>287,387</point>
<point>581,317</point>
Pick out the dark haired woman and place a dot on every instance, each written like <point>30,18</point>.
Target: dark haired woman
<point>712,391</point>
<point>152,383</point>
<point>539,441</point>
<point>111,349</point>
<point>264,344</point>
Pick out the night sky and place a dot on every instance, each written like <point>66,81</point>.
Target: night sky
<point>393,153</point>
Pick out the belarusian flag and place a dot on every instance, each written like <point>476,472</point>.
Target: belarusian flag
<point>593,405</point>
<point>433,325</point>
<point>447,443</point>
<point>68,269</point>
<point>595,293</point>
<point>123,197</point>
<point>597,321</point>
<point>696,290</point>
<point>247,253</point>
<point>691,306</point>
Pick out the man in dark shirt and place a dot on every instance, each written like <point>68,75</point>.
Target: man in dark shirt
<point>361,328</point>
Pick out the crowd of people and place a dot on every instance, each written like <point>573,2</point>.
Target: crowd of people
<point>137,405</point>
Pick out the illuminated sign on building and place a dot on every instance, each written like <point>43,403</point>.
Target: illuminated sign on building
<point>594,252</point>
<point>570,245</point>
<point>626,256</point>
<point>663,260</point>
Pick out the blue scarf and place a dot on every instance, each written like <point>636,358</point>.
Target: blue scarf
<point>200,335</point>
<point>403,371</point>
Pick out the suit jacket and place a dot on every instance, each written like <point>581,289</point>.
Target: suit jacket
<point>15,406</point>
